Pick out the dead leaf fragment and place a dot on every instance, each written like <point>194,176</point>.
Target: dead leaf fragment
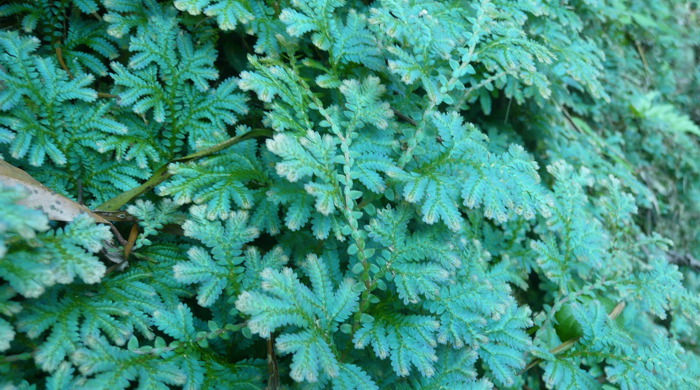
<point>56,206</point>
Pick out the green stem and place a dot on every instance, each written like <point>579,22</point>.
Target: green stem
<point>162,174</point>
<point>16,358</point>
<point>346,203</point>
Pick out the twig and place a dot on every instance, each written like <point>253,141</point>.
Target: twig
<point>80,191</point>
<point>118,235</point>
<point>644,60</point>
<point>119,259</point>
<point>16,358</point>
<point>112,253</point>
<point>273,382</point>
<point>105,95</point>
<point>196,26</point>
<point>116,216</point>
<point>132,240</point>
<point>620,159</point>
<point>684,259</point>
<point>62,62</point>
<point>563,347</point>
<point>59,55</point>
<point>568,344</point>
<point>505,120</point>
<point>163,174</point>
<point>404,117</point>
<point>113,268</point>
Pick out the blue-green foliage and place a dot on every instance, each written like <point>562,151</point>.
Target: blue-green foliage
<point>47,114</point>
<point>35,257</point>
<point>423,194</point>
<point>256,15</point>
<point>222,268</point>
<point>657,363</point>
<point>50,117</point>
<point>168,77</point>
<point>153,218</point>
<point>458,162</point>
<point>285,301</point>
<point>580,234</point>
<point>220,182</point>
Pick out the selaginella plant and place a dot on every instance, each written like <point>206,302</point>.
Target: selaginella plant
<point>316,194</point>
